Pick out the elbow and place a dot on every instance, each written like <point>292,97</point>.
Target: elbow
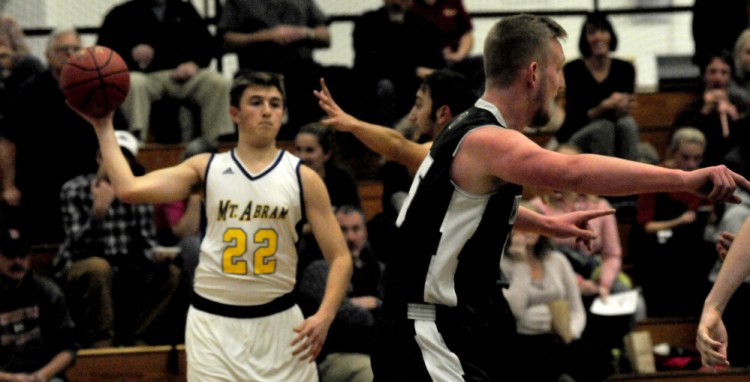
<point>127,196</point>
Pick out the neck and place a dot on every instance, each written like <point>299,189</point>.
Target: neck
<point>257,158</point>
<point>514,104</point>
<point>598,62</point>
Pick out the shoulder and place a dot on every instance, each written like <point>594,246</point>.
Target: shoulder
<point>556,259</point>
<point>46,286</point>
<point>576,64</point>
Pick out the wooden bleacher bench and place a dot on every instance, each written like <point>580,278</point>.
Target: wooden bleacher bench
<point>676,331</point>
<point>729,375</point>
<point>137,363</point>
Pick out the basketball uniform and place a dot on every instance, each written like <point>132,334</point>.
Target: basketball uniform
<point>242,314</point>
<point>445,318</point>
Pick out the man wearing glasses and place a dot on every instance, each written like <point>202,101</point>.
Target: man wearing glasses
<point>43,144</point>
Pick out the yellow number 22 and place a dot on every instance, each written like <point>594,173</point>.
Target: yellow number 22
<point>263,261</point>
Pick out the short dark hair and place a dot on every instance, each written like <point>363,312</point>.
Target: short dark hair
<point>348,209</point>
<point>514,42</point>
<point>449,88</point>
<point>596,21</point>
<point>245,79</point>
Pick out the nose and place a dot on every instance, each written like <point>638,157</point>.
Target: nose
<point>412,117</point>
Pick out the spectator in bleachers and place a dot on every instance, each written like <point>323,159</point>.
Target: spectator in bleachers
<point>394,49</point>
<point>279,36</point>
<point>17,64</point>
<point>314,144</point>
<point>178,223</point>
<point>168,48</point>
<point>717,112</point>
<point>740,83</point>
<point>44,144</point>
<point>35,326</point>
<point>598,265</point>
<point>121,290</point>
<point>668,239</point>
<point>453,25</point>
<point>346,353</point>
<point>599,95</point>
<point>549,313</point>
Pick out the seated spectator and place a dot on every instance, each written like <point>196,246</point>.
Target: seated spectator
<point>279,36</point>
<point>178,223</point>
<point>452,23</point>
<point>550,316</point>
<point>597,266</point>
<point>599,95</point>
<point>120,290</point>
<point>394,49</point>
<point>717,111</point>
<point>44,144</point>
<point>314,145</point>
<point>668,239</point>
<point>35,325</point>
<point>168,50</point>
<point>739,84</point>
<point>17,64</point>
<point>346,353</point>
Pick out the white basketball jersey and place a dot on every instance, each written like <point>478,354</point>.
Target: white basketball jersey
<point>248,254</point>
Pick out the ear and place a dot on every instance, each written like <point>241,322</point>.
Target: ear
<point>234,113</point>
<point>532,75</point>
<point>443,115</point>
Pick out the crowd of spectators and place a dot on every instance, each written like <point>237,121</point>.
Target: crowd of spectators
<point>118,279</point>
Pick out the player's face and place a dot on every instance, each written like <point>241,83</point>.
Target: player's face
<point>421,113</point>
<point>260,112</point>
<point>354,230</point>
<point>688,156</point>
<point>61,49</point>
<point>551,80</point>
<point>13,269</point>
<point>308,148</point>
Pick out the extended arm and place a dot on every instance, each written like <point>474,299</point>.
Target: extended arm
<point>165,185</point>
<point>313,331</point>
<point>712,335</point>
<point>491,153</point>
<point>385,141</point>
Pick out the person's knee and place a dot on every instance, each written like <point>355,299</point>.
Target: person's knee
<point>95,270</point>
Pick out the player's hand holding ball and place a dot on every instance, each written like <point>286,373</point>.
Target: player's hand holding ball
<point>95,81</point>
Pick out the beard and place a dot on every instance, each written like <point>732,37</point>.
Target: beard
<point>542,115</point>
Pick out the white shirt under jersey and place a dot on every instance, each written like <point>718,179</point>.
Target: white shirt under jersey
<point>248,254</point>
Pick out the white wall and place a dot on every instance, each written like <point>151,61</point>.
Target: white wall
<point>642,37</point>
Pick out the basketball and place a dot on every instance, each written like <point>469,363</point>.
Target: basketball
<point>95,80</point>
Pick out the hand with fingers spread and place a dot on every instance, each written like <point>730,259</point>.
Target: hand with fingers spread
<point>337,117</point>
<point>311,335</point>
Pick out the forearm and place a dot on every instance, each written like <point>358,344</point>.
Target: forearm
<point>8,163</point>
<point>465,44</point>
<point>656,226</point>
<point>238,40</point>
<point>734,270</point>
<point>610,269</point>
<point>389,143</point>
<point>531,221</point>
<point>59,363</point>
<point>320,36</point>
<point>337,284</point>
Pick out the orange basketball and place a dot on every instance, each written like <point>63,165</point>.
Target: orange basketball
<point>95,80</point>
